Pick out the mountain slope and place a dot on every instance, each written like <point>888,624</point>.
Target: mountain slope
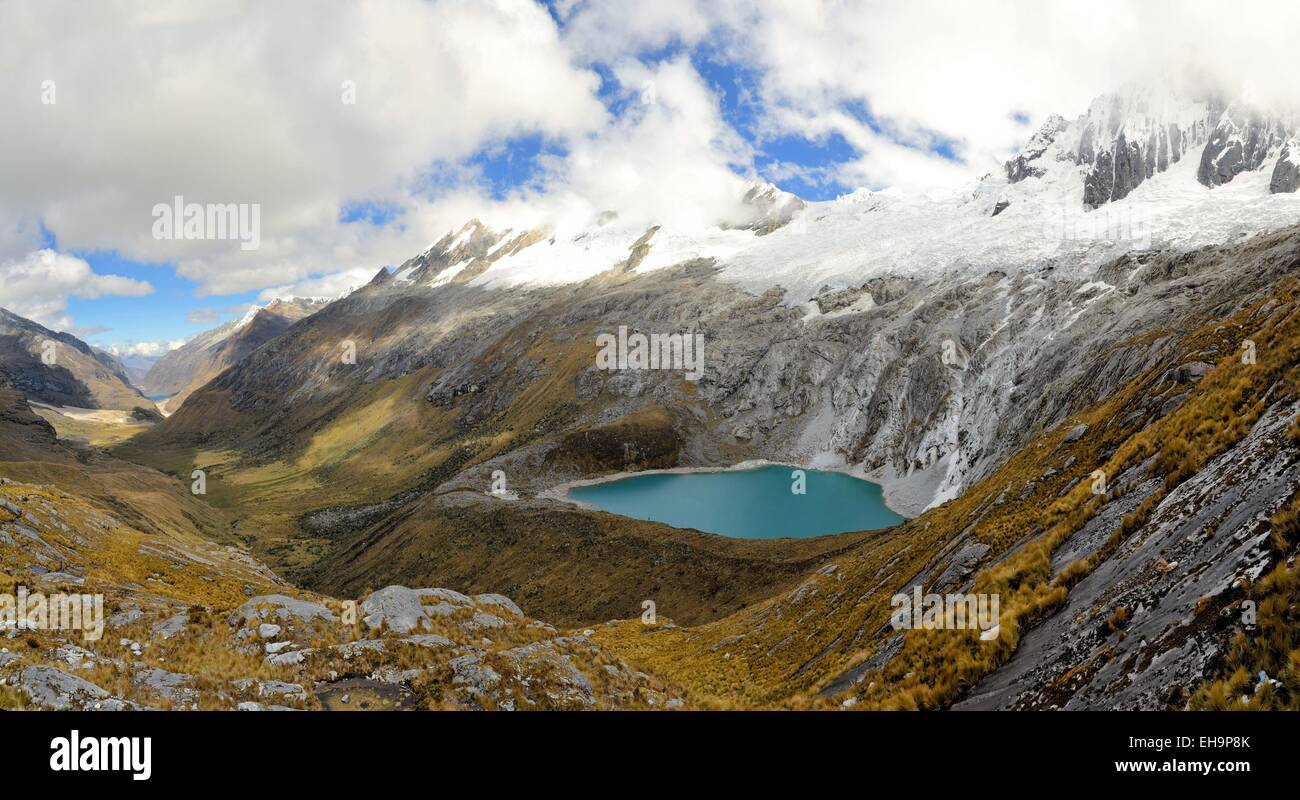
<point>79,376</point>
<point>1125,598</point>
<point>181,371</point>
<point>188,623</point>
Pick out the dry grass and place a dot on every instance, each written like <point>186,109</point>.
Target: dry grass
<point>1273,646</point>
<point>782,651</point>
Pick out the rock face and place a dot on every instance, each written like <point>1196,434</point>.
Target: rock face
<point>56,690</point>
<point>1123,141</point>
<point>1023,166</point>
<point>1162,579</point>
<point>767,208</point>
<point>1118,169</point>
<point>282,607</point>
<point>1286,174</point>
<point>1240,142</point>
<point>399,609</point>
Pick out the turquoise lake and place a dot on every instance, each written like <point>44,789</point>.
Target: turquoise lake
<point>750,504</point>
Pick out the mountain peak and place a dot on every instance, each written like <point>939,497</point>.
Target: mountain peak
<point>1124,139</point>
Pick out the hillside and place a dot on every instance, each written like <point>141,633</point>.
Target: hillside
<point>79,376</point>
<point>188,623</point>
<point>179,372</point>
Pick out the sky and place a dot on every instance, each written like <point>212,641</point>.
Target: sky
<point>362,132</point>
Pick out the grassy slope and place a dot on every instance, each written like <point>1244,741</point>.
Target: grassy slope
<point>139,538</point>
<point>570,566</point>
<point>386,437</point>
<point>90,432</point>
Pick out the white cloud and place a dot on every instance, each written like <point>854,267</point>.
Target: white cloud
<point>666,161</point>
<point>38,286</point>
<point>608,30</point>
<point>960,70</point>
<point>223,101</point>
<point>144,349</point>
<point>243,102</point>
<point>327,286</point>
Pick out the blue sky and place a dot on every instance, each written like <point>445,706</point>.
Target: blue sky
<point>794,163</point>
<point>507,124</point>
<point>517,109</point>
<point>160,315</point>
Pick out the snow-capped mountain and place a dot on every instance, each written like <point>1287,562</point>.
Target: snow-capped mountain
<point>1125,140</point>
<point>1137,171</point>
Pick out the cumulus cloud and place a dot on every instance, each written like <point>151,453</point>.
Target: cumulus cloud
<point>600,30</point>
<point>249,102</point>
<point>325,286</point>
<point>935,72</point>
<point>144,349</point>
<point>38,286</point>
<point>670,159</point>
<point>245,102</point>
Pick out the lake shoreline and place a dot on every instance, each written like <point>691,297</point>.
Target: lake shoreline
<point>561,491</point>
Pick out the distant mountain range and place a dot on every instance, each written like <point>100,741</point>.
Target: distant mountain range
<point>179,372</point>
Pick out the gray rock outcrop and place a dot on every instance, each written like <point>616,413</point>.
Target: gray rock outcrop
<point>1286,173</point>
<point>1240,142</point>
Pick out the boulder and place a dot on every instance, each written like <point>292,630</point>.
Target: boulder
<point>175,687</point>
<point>171,626</point>
<point>1076,433</point>
<point>282,607</point>
<point>500,601</point>
<point>396,606</point>
<point>55,689</point>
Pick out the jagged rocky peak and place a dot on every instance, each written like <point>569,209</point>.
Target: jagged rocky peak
<point>471,242</point>
<point>589,240</point>
<point>1286,173</point>
<point>1121,141</point>
<point>1023,166</point>
<point>1127,138</point>
<point>1243,139</point>
<point>767,208</point>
